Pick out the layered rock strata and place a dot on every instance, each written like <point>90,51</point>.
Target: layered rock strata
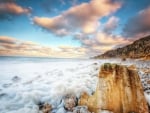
<point>119,90</point>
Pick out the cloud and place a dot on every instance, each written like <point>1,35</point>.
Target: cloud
<point>84,17</point>
<point>8,9</point>
<point>138,25</point>
<point>111,24</point>
<point>6,39</point>
<point>13,47</point>
<point>100,42</point>
<point>72,51</point>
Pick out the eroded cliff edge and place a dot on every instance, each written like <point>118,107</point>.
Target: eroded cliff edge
<point>119,90</point>
<point>139,49</point>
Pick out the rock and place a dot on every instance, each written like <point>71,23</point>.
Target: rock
<point>15,79</point>
<point>89,101</point>
<point>146,70</point>
<point>124,59</point>
<point>132,67</point>
<point>81,109</point>
<point>70,101</point>
<point>7,85</point>
<point>46,108</point>
<point>119,90</point>
<point>3,95</point>
<point>139,49</point>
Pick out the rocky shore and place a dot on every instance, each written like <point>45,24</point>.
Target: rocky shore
<point>119,90</point>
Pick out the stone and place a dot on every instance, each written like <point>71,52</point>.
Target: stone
<point>46,108</point>
<point>70,101</point>
<point>132,67</point>
<point>119,90</point>
<point>81,109</point>
<point>124,59</point>
<point>16,79</point>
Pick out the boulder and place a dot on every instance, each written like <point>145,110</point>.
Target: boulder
<point>70,101</point>
<point>16,79</point>
<point>81,109</point>
<point>119,90</point>
<point>46,108</point>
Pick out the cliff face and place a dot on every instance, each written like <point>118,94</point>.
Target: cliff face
<point>119,90</point>
<point>138,49</point>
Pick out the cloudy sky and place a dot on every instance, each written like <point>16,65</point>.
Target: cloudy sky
<point>70,28</point>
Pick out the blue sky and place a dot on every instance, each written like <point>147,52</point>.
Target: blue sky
<point>64,26</point>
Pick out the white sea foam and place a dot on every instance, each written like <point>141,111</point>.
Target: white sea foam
<point>25,84</point>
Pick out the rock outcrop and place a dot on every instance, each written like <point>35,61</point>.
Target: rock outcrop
<point>138,49</point>
<point>119,90</point>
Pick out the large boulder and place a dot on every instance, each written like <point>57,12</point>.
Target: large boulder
<point>119,90</point>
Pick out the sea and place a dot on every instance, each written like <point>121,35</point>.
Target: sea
<point>27,81</point>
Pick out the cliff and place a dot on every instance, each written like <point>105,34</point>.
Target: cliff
<point>138,49</point>
<point>119,90</point>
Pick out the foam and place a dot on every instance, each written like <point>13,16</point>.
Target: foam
<point>48,82</point>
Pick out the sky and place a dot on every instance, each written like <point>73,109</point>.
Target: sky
<point>70,28</point>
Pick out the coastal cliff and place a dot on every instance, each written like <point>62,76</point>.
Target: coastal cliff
<point>138,49</point>
<point>119,90</point>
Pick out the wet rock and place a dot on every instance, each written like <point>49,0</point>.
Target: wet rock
<point>16,79</point>
<point>70,101</point>
<point>89,101</point>
<point>2,95</point>
<point>95,63</point>
<point>7,85</point>
<point>46,108</point>
<point>81,109</point>
<point>123,59</point>
<point>132,67</point>
<point>119,90</point>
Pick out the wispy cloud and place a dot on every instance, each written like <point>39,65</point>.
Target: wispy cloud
<point>84,17</point>
<point>14,47</point>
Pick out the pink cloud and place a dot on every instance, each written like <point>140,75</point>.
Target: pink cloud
<point>139,25</point>
<point>84,17</point>
<point>101,42</point>
<point>13,8</point>
<point>111,24</point>
<point>12,47</point>
<point>6,39</point>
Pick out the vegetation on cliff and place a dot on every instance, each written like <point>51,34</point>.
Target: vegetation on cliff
<point>138,49</point>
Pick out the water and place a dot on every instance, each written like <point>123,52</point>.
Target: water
<point>26,81</point>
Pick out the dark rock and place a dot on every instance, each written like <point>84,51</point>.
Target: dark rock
<point>16,79</point>
<point>7,85</point>
<point>2,95</point>
<point>46,108</point>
